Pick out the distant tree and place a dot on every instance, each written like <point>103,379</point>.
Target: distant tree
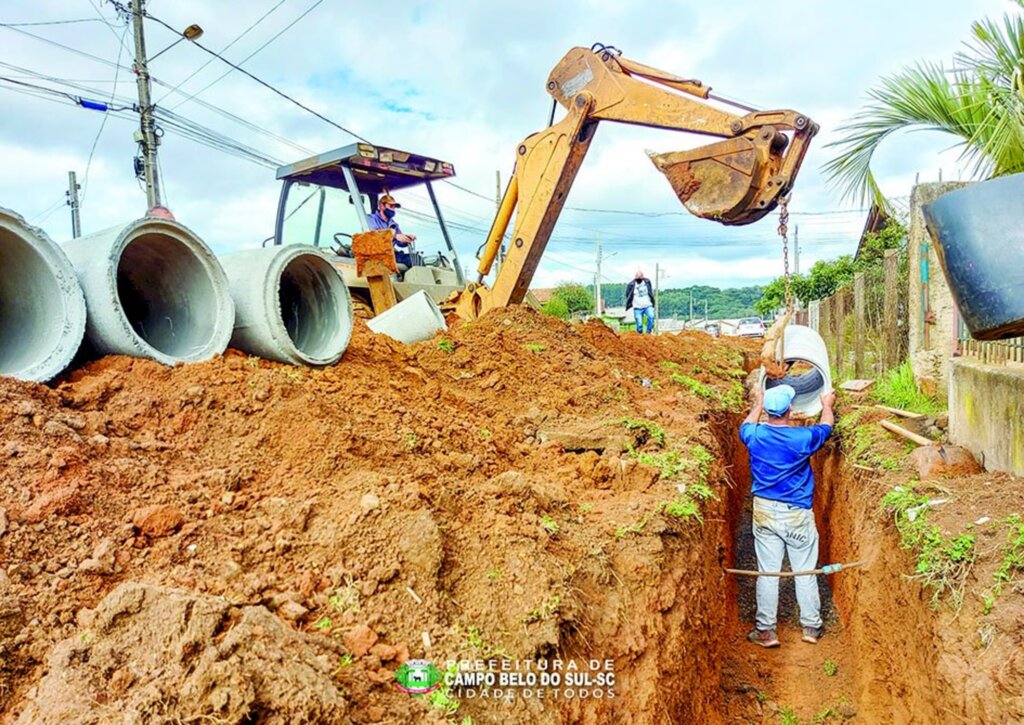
<point>556,307</point>
<point>568,299</point>
<point>825,277</point>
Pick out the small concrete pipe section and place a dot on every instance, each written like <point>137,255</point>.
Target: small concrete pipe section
<point>291,305</point>
<point>802,344</point>
<point>42,309</point>
<point>415,318</point>
<point>155,290</point>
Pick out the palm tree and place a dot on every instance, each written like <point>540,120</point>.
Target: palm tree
<point>980,101</point>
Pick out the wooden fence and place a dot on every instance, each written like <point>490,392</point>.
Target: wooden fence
<point>864,325</point>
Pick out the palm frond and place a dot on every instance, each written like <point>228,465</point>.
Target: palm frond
<point>980,102</point>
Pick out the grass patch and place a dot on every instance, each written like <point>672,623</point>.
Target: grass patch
<point>943,562</point>
<point>830,668</point>
<point>1012,562</point>
<point>547,609</point>
<point>898,389</point>
<point>446,345</point>
<point>535,347</point>
<point>649,430</point>
<point>549,524</point>
<point>475,640</point>
<point>787,716</point>
<point>683,507</point>
<point>694,386</point>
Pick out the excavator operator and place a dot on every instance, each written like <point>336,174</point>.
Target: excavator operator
<point>384,218</point>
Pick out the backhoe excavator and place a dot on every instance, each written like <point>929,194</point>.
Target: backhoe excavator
<point>734,181</point>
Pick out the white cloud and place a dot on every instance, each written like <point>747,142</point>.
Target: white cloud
<point>472,78</point>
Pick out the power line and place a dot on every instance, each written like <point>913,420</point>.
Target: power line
<point>238,37</point>
<point>263,83</point>
<point>103,123</point>
<point>281,32</point>
<point>55,22</point>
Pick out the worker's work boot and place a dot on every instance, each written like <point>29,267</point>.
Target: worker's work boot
<point>764,637</point>
<point>813,634</point>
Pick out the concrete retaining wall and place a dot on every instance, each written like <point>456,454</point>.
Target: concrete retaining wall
<point>986,413</point>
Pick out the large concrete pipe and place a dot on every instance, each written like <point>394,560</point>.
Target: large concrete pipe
<point>414,319</point>
<point>155,290</point>
<point>42,309</point>
<point>291,305</point>
<point>802,344</point>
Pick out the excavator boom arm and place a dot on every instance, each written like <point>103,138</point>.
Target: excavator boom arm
<point>735,181</point>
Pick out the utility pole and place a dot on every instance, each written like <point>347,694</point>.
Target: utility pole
<point>72,194</point>
<point>796,249</point>
<point>497,202</point>
<point>705,311</point>
<point>147,136</point>
<point>597,278</point>
<point>690,318</point>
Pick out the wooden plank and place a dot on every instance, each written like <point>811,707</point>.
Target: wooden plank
<point>891,302</point>
<point>857,386</point>
<point>860,330</point>
<point>910,436</point>
<point>901,413</point>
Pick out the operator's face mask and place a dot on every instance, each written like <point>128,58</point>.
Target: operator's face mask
<point>389,213</point>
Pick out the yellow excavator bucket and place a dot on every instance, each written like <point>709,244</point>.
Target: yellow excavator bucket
<point>730,181</point>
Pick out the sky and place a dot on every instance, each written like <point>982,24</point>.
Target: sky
<point>463,82</point>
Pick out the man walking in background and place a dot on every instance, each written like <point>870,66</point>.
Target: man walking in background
<point>640,296</point>
<point>783,488</point>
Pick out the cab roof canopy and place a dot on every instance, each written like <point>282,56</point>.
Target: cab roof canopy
<point>375,169</point>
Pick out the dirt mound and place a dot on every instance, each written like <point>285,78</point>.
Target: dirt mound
<point>407,502</point>
<point>160,655</point>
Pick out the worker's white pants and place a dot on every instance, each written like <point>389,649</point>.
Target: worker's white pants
<point>779,529</point>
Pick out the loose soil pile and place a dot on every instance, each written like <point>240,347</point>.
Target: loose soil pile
<point>242,541</point>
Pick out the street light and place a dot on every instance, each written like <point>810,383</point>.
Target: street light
<point>191,33</point>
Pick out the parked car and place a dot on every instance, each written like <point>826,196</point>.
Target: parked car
<point>750,327</point>
<point>713,329</point>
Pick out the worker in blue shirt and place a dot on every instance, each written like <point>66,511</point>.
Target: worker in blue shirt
<point>384,218</point>
<point>783,488</point>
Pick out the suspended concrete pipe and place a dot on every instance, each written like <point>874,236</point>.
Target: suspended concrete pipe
<point>415,318</point>
<point>802,344</point>
<point>42,309</point>
<point>291,305</point>
<point>155,290</point>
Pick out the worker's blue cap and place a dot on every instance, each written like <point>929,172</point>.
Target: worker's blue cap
<point>778,399</point>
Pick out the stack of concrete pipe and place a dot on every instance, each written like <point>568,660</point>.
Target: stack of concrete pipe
<point>153,289</point>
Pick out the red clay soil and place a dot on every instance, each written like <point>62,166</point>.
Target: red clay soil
<point>243,541</point>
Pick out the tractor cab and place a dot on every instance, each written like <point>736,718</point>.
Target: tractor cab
<point>326,198</point>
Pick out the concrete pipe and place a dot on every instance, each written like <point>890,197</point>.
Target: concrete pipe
<point>42,309</point>
<point>802,344</point>
<point>291,305</point>
<point>414,319</point>
<point>155,290</point>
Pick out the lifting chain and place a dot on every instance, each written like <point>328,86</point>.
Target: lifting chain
<point>784,233</point>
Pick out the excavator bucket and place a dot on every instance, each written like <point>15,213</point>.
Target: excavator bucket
<point>728,181</point>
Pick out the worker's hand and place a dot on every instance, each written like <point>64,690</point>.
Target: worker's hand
<point>828,399</point>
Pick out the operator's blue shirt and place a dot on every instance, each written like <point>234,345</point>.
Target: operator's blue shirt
<point>780,460</point>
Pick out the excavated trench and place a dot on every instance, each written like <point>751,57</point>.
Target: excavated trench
<point>878,660</point>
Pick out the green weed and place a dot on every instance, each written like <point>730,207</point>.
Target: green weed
<point>942,561</point>
<point>668,365</point>
<point>1012,562</point>
<point>898,389</point>
<point>324,623</point>
<point>694,386</point>
<point>547,609</point>
<point>442,698</point>
<point>549,524</point>
<point>535,347</point>
<point>586,508</point>
<point>475,640</point>
<point>788,717</point>
<point>447,345</point>
<point>830,667</point>
<point>650,431</point>
<point>683,507</point>
<point>493,573</point>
